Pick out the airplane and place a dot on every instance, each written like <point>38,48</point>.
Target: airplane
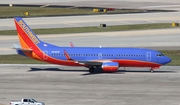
<point>107,59</point>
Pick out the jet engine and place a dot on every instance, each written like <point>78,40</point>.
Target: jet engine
<point>110,66</point>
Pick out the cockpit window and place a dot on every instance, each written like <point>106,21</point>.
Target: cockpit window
<point>160,55</point>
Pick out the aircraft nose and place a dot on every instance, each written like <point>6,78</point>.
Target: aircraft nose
<point>167,60</point>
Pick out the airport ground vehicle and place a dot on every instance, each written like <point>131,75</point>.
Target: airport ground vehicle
<point>26,101</point>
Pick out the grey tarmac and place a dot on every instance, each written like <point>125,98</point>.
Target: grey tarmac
<point>138,4</point>
<point>54,84</point>
<point>93,20</point>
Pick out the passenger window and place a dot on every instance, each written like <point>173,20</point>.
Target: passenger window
<point>159,55</point>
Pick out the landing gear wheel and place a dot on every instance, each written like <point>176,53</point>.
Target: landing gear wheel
<point>91,69</point>
<point>151,70</point>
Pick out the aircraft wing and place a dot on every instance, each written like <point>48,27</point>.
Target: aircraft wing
<point>90,63</point>
<point>93,63</point>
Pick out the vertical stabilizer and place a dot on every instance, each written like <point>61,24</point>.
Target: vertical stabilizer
<point>27,38</point>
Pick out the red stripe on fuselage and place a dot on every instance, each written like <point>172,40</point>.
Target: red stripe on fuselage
<point>136,63</point>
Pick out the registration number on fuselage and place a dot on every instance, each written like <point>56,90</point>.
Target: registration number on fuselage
<point>55,51</point>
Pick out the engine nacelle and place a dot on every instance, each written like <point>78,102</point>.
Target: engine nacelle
<point>110,66</point>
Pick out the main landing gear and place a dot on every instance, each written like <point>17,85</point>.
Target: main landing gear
<point>91,69</point>
<point>152,70</point>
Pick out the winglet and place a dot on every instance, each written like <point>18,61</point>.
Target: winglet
<point>67,55</point>
<point>72,45</point>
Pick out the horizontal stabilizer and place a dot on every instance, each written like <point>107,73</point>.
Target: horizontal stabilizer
<point>18,47</point>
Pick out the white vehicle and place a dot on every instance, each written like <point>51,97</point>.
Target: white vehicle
<point>27,101</point>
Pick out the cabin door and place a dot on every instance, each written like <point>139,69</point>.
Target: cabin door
<point>148,56</point>
<point>100,55</point>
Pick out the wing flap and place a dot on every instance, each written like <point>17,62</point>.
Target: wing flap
<point>92,63</point>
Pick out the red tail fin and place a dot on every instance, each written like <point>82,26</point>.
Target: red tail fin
<point>27,37</point>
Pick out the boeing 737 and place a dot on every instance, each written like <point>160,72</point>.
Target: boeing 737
<point>107,59</point>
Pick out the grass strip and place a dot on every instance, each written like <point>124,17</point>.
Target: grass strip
<point>94,29</point>
<point>18,59</point>
<point>39,11</point>
<point>174,55</point>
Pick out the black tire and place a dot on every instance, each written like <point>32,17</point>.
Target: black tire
<point>151,70</point>
<point>91,69</point>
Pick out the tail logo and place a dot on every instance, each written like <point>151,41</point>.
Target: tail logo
<point>28,32</point>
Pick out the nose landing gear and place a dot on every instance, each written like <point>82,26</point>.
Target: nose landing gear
<point>152,69</point>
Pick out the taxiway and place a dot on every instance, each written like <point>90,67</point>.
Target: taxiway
<point>71,85</point>
<point>142,4</point>
<point>159,39</point>
<point>93,20</point>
